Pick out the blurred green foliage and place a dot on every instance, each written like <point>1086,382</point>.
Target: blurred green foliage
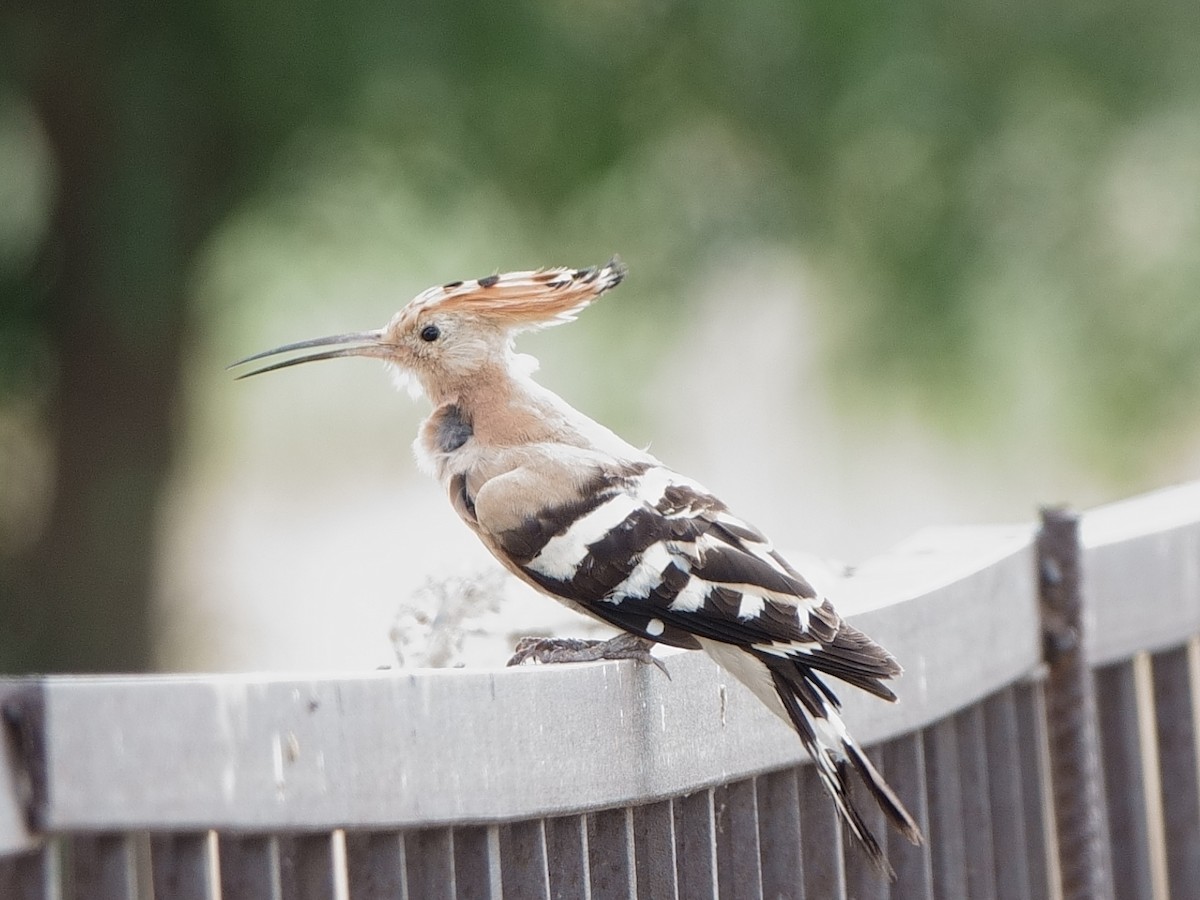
<point>1001,199</point>
<point>956,171</point>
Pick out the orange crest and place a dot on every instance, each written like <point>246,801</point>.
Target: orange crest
<point>523,300</point>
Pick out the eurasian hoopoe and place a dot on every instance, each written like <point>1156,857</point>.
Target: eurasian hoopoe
<point>572,509</point>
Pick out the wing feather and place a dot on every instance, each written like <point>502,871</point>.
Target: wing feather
<point>638,543</point>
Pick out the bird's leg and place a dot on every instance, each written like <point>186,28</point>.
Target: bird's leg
<point>561,650</point>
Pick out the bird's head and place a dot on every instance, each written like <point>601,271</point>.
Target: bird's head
<point>449,333</point>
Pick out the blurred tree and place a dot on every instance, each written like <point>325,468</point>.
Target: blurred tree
<point>145,151</point>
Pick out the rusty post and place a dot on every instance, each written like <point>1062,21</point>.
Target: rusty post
<point>1075,777</point>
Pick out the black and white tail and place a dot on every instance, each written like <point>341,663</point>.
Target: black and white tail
<point>814,712</point>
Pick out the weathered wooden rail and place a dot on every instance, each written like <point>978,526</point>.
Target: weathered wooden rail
<point>609,780</point>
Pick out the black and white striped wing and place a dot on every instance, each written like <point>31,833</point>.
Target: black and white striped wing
<point>654,553</point>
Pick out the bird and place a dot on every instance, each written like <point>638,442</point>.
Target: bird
<point>572,509</point>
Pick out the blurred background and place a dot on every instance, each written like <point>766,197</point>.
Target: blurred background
<point>891,265</point>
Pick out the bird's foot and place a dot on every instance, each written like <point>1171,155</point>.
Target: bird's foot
<point>562,650</point>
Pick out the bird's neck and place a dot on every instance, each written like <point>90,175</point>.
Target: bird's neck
<point>478,417</point>
<point>503,409</point>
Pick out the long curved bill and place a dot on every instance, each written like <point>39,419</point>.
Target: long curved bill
<point>359,343</point>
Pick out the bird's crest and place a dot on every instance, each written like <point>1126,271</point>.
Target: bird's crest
<point>523,300</point>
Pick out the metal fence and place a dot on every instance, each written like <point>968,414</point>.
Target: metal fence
<point>609,780</point>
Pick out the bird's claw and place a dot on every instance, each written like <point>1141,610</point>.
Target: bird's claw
<point>566,650</point>
<point>553,650</point>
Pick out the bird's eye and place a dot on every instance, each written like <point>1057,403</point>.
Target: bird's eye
<point>430,333</point>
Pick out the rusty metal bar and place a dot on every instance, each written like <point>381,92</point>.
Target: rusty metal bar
<point>1072,728</point>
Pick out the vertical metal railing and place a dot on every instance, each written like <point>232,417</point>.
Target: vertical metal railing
<point>1075,778</point>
